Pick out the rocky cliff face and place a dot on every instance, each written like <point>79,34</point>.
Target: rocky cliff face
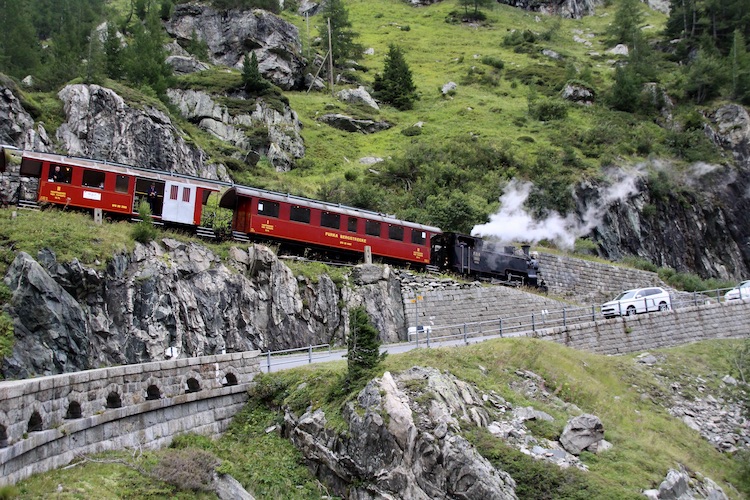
<point>571,9</point>
<point>694,222</point>
<point>231,34</point>
<point>399,445</point>
<point>99,124</point>
<point>175,295</point>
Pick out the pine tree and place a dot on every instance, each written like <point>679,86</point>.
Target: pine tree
<point>18,45</point>
<point>343,46</point>
<point>395,86</point>
<point>113,58</point>
<point>251,77</point>
<point>628,20</point>
<point>626,91</point>
<point>145,57</point>
<point>363,346</point>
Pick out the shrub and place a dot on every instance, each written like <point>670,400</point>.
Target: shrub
<point>412,131</point>
<point>187,469</point>
<point>144,231</point>
<point>363,346</point>
<point>495,62</point>
<point>548,109</point>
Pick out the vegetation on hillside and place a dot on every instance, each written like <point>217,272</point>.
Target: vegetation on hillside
<point>629,398</point>
<point>506,105</point>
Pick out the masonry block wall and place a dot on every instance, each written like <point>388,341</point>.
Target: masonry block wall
<point>46,422</point>
<point>589,282</point>
<point>656,330</point>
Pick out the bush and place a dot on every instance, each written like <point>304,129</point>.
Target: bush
<point>144,231</point>
<point>412,131</point>
<point>188,469</point>
<point>548,109</point>
<point>495,62</point>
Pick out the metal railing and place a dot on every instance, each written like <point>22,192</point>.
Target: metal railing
<point>513,326</point>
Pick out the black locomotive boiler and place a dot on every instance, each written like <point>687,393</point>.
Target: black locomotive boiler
<point>472,256</point>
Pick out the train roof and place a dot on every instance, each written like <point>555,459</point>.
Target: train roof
<point>120,168</point>
<point>229,200</point>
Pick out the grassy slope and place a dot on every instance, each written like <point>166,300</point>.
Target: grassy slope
<point>625,395</point>
<point>439,52</point>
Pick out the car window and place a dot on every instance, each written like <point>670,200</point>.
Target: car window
<point>626,295</point>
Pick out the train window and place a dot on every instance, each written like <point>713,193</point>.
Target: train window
<point>122,184</point>
<point>418,237</point>
<point>372,228</point>
<point>327,219</point>
<point>352,225</point>
<point>395,232</point>
<point>58,173</point>
<point>173,192</point>
<point>185,194</point>
<point>269,208</point>
<point>93,178</point>
<point>32,168</point>
<point>299,214</point>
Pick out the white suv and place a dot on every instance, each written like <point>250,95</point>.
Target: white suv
<point>639,300</point>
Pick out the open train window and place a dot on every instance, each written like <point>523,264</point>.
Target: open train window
<point>58,173</point>
<point>122,183</point>
<point>352,225</point>
<point>31,168</point>
<point>299,214</point>
<point>418,237</point>
<point>327,219</point>
<point>93,178</point>
<point>372,228</point>
<point>269,208</point>
<point>396,232</point>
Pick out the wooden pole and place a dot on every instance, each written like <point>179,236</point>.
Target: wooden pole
<point>330,57</point>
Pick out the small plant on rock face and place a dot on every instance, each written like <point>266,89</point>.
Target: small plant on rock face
<point>144,231</point>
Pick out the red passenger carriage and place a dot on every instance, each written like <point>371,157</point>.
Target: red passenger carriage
<point>348,230</point>
<point>115,188</point>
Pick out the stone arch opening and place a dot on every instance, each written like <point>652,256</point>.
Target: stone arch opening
<point>153,393</point>
<point>230,379</point>
<point>113,400</point>
<point>74,410</point>
<point>3,436</point>
<point>192,385</point>
<point>35,422</point>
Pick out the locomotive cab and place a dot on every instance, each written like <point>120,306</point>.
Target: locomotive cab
<point>472,256</point>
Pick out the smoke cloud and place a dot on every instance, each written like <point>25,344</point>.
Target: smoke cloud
<point>513,223</point>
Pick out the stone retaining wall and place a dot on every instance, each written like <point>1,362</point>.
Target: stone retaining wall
<point>656,330</point>
<point>45,422</point>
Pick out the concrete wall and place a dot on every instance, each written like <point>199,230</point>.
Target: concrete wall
<point>652,331</point>
<point>142,405</point>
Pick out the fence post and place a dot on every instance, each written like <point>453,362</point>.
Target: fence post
<point>593,312</point>
<point>695,298</point>
<point>309,354</point>
<point>268,361</point>
<point>533,325</point>
<point>501,327</point>
<point>427,331</point>
<point>718,296</point>
<point>564,316</point>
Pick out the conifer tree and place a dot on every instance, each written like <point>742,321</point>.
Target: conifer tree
<point>343,46</point>
<point>112,53</point>
<point>363,346</point>
<point>251,77</point>
<point>146,57</point>
<point>395,86</point>
<point>19,49</point>
<point>626,91</point>
<point>628,20</point>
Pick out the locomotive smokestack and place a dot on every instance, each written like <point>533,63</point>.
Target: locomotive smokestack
<point>525,249</point>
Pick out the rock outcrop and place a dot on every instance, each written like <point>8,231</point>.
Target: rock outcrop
<point>400,446</point>
<point>693,223</point>
<point>284,143</point>
<point>229,35</point>
<point>172,298</point>
<point>99,124</point>
<point>350,124</point>
<point>570,9</point>
<point>17,127</point>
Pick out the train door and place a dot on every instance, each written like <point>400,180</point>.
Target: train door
<point>179,202</point>
<point>142,189</point>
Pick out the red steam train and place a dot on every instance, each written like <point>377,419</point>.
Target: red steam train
<point>342,232</point>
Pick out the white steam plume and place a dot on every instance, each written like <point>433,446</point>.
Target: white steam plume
<point>514,223</point>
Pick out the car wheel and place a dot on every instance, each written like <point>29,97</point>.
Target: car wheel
<point>663,306</point>
<point>630,311</point>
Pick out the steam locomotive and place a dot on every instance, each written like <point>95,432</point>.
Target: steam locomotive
<point>337,230</point>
